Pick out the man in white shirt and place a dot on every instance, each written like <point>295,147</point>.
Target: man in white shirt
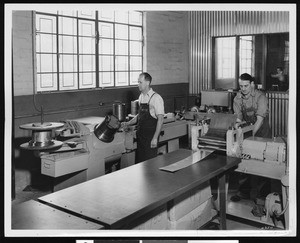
<point>149,119</point>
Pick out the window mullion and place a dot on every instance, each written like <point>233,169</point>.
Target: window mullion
<point>77,39</point>
<point>97,51</point>
<point>57,54</point>
<point>128,57</point>
<point>114,52</point>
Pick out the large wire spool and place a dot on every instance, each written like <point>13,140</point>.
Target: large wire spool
<point>41,138</point>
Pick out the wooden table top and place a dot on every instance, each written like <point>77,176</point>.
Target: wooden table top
<point>118,198</point>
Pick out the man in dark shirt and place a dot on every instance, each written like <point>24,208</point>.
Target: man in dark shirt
<point>251,105</point>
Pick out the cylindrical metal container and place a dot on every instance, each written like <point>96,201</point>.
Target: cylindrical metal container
<point>134,107</point>
<point>106,130</point>
<point>119,111</point>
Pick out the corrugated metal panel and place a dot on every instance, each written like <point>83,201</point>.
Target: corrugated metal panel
<point>278,108</point>
<point>205,24</point>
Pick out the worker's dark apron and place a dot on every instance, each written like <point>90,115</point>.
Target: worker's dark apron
<point>145,131</point>
<point>249,115</point>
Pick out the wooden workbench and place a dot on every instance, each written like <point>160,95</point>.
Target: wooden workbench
<point>117,199</point>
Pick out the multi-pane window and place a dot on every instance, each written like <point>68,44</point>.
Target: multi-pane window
<point>79,50</point>
<point>246,55</point>
<point>228,65</point>
<point>225,61</point>
<point>286,57</point>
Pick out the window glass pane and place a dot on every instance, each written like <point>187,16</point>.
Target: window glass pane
<point>67,63</point>
<point>86,45</point>
<point>67,44</point>
<point>135,63</point>
<point>46,63</point>
<point>121,78</point>
<point>106,63</point>
<point>46,43</point>
<point>68,81</point>
<point>121,16</point>
<point>86,14</point>
<point>121,31</point>
<point>67,26</point>
<point>248,54</point>
<point>106,46</point>
<point>45,23</point>
<point>106,30</point>
<point>135,48</point>
<point>121,63</point>
<point>135,33</point>
<point>87,80</point>
<point>246,60</point>
<point>134,77</point>
<point>86,28</point>
<point>72,13</point>
<point>225,57</point>
<point>107,15</point>
<point>46,82</point>
<point>87,63</point>
<point>121,47</point>
<point>106,79</point>
<point>135,18</point>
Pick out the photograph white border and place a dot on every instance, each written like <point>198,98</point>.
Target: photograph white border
<point>151,7</point>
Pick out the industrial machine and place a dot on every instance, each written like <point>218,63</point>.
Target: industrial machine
<point>260,156</point>
<point>89,147</point>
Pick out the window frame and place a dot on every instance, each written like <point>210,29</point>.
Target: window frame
<point>97,22</point>
<point>234,79</point>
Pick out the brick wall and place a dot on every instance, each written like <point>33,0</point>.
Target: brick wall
<point>167,46</point>
<point>22,52</point>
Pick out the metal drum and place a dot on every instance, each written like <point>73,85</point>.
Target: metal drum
<point>119,111</point>
<point>134,107</point>
<point>106,130</point>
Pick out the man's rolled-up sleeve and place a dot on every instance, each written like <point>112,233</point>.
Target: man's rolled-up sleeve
<point>159,106</point>
<point>262,106</point>
<point>237,109</point>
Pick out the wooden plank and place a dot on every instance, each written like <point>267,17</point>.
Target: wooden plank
<point>35,215</point>
<point>127,194</point>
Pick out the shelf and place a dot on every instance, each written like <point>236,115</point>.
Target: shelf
<point>242,209</point>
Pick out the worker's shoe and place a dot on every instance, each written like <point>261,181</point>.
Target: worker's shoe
<point>237,197</point>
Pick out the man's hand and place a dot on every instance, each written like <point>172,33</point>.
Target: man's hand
<point>125,125</point>
<point>154,143</point>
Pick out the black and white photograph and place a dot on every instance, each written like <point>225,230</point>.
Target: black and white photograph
<point>147,120</point>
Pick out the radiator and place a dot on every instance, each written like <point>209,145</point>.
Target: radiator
<point>278,116</point>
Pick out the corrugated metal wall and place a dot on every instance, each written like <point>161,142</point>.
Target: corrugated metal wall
<point>278,108</point>
<point>205,24</point>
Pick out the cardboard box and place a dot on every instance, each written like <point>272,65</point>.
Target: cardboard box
<point>195,219</point>
<point>155,220</point>
<point>188,201</point>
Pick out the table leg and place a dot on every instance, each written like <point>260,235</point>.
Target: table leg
<point>222,201</point>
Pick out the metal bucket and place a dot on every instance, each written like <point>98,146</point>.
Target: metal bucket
<point>106,130</point>
<point>119,111</point>
<point>134,107</point>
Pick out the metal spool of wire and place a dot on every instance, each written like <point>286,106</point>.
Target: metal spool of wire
<point>41,138</point>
